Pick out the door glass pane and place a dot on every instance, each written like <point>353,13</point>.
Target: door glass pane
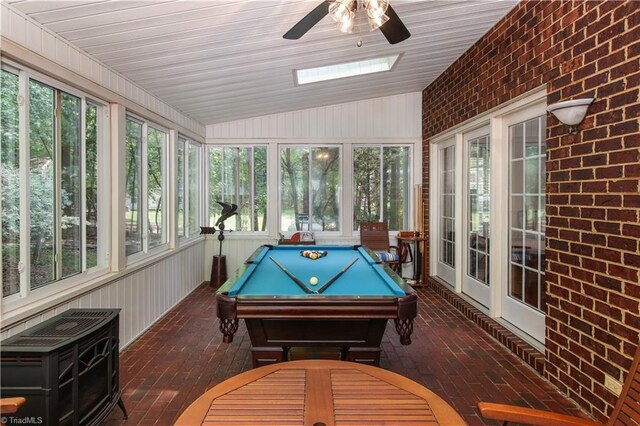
<point>478,205</point>
<point>42,184</point>
<point>10,167</point>
<point>156,223</point>
<point>133,201</point>
<point>91,190</point>
<point>71,195</point>
<point>527,204</point>
<point>447,207</point>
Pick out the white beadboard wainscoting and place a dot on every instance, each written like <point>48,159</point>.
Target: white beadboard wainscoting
<point>143,296</point>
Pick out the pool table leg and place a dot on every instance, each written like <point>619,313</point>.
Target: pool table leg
<point>228,327</point>
<point>404,327</point>
<point>268,355</point>
<point>369,356</point>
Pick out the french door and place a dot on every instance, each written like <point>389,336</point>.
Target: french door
<point>476,216</point>
<point>446,219</point>
<point>523,297</point>
<point>488,213</point>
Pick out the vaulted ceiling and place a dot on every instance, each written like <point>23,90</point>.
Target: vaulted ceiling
<point>219,61</point>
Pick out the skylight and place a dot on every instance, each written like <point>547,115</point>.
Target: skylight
<point>347,69</point>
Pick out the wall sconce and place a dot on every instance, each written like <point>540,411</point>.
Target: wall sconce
<point>571,112</point>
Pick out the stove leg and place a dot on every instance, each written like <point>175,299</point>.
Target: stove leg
<point>124,410</point>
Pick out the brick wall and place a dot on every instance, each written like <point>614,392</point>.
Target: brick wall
<point>578,49</point>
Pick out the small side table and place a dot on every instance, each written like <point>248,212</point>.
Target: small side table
<point>417,238</point>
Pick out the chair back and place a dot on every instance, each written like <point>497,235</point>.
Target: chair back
<point>375,235</point>
<point>627,409</point>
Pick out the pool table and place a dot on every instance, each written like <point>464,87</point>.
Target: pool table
<point>346,306</point>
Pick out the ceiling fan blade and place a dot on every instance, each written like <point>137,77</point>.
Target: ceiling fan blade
<point>306,23</point>
<point>394,30</point>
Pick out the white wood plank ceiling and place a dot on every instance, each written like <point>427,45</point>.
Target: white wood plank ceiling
<point>219,61</point>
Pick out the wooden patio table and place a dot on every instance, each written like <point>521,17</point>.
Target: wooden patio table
<point>319,393</point>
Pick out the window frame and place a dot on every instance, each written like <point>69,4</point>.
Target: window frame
<point>207,179</point>
<point>26,295</point>
<point>341,170</point>
<point>186,198</point>
<point>146,250</point>
<point>410,182</point>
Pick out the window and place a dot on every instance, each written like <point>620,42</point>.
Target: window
<point>145,183</point>
<point>381,185</point>
<point>188,172</point>
<point>238,175</point>
<point>57,173</point>
<point>310,183</point>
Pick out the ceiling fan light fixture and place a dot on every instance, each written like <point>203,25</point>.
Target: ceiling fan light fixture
<point>341,10</point>
<point>376,8</point>
<point>347,25</point>
<point>375,23</point>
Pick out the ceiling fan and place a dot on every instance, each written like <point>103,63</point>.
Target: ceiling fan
<point>379,15</point>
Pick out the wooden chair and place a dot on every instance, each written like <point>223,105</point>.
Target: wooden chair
<point>626,411</point>
<point>375,235</point>
<point>10,405</point>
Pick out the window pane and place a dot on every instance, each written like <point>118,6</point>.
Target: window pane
<point>238,175</point>
<point>260,188</point>
<point>395,177</point>
<point>91,147</point>
<point>294,178</point>
<point>10,167</point>
<point>244,172</point>
<point>194,184</point>
<point>325,185</point>
<point>180,186</point>
<point>133,202</point>
<point>42,185</point>
<point>156,141</point>
<point>71,195</point>
<point>366,185</point>
<point>215,182</point>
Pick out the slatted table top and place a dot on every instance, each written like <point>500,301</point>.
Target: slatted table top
<point>319,393</point>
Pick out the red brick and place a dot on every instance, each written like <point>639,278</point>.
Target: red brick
<point>622,243</point>
<point>630,185</point>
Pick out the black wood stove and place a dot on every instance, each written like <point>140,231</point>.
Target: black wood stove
<point>66,368</point>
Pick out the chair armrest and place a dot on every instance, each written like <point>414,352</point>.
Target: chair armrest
<point>11,405</point>
<point>512,413</point>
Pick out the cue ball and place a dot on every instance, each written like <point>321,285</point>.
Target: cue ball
<point>313,281</point>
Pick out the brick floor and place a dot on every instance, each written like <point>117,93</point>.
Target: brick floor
<point>182,356</point>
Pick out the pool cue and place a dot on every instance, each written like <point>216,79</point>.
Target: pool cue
<point>293,277</point>
<point>328,283</point>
